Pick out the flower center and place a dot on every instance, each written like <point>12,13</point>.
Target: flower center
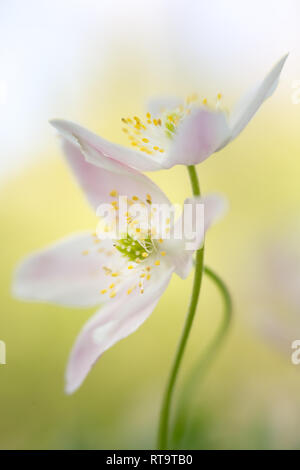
<point>135,250</point>
<point>152,135</point>
<point>145,135</point>
<point>142,252</point>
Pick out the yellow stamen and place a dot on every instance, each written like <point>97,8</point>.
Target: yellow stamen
<point>157,262</point>
<point>103,291</point>
<point>130,290</point>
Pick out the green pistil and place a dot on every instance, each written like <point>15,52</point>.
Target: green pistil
<point>171,122</point>
<point>170,129</point>
<point>132,249</point>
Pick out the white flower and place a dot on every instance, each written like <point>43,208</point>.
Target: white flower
<point>173,132</point>
<point>127,275</point>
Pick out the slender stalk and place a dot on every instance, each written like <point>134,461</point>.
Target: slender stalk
<point>194,180</point>
<point>206,359</point>
<point>223,329</point>
<point>167,399</point>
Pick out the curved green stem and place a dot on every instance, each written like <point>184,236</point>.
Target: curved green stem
<point>227,306</point>
<point>167,399</point>
<point>203,364</point>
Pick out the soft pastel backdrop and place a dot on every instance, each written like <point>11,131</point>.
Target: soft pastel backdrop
<point>93,62</point>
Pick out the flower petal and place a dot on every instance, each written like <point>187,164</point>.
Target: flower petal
<point>103,153</point>
<point>251,102</point>
<point>199,135</point>
<point>179,249</point>
<point>97,183</point>
<point>116,320</point>
<point>159,104</point>
<point>65,273</point>
<point>215,207</point>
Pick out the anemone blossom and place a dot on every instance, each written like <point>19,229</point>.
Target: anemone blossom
<point>174,132</point>
<point>127,273</point>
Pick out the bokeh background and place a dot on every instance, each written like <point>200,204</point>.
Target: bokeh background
<point>92,62</point>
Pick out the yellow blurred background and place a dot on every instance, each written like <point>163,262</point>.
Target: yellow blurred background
<point>93,62</point>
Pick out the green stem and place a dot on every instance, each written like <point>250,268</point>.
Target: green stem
<point>227,307</point>
<point>194,180</point>
<point>167,399</point>
<point>202,365</point>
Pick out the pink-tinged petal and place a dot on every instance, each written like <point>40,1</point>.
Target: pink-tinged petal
<point>251,102</point>
<point>198,136</point>
<point>116,320</point>
<point>205,211</point>
<point>215,207</point>
<point>182,260</point>
<point>69,272</point>
<point>159,104</point>
<point>97,183</point>
<point>103,153</point>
